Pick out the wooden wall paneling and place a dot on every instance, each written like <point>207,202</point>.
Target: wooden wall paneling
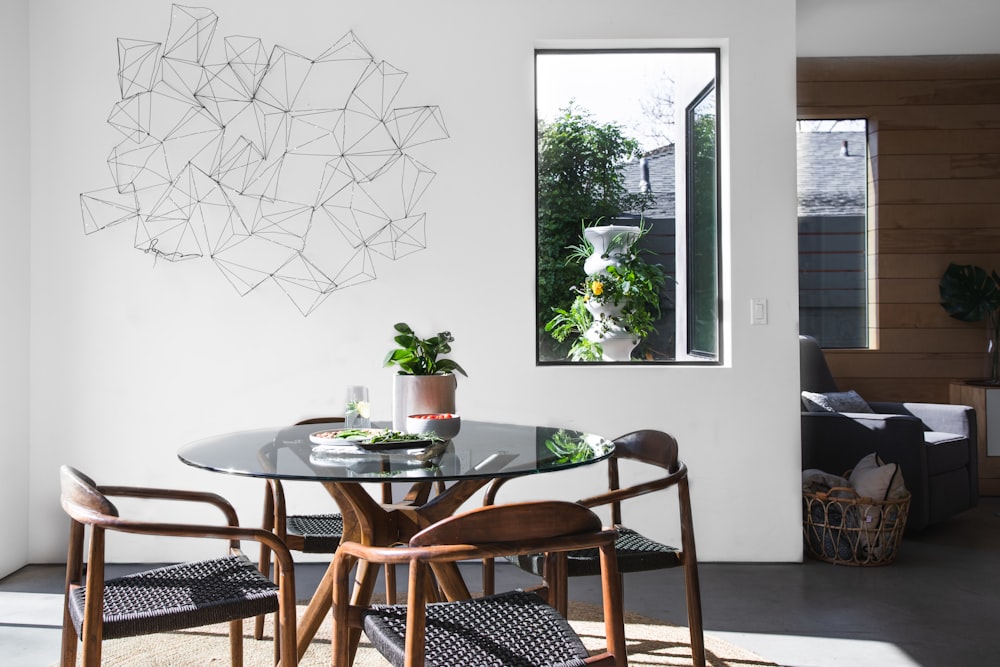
<point>961,338</point>
<point>929,315</point>
<point>934,198</point>
<point>946,142</point>
<point>938,117</point>
<point>936,215</point>
<point>899,93</point>
<point>931,266</point>
<point>875,68</point>
<point>910,391</point>
<point>970,167</point>
<point>938,190</point>
<point>906,290</point>
<point>902,364</point>
<point>938,241</point>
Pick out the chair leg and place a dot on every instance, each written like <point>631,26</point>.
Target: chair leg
<point>489,576</point>
<point>556,576</point>
<point>612,597</point>
<point>692,588</point>
<point>69,642</point>
<point>285,630</point>
<point>93,613</point>
<point>236,642</point>
<point>264,563</point>
<point>389,570</point>
<point>340,644</point>
<point>416,615</point>
<point>390,583</point>
<point>74,572</point>
<point>489,564</point>
<point>277,618</point>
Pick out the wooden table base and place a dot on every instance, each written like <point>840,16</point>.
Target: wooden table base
<point>369,522</point>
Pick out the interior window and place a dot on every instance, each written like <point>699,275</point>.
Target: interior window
<point>833,231</point>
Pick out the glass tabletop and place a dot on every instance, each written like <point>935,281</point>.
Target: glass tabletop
<point>480,450</point>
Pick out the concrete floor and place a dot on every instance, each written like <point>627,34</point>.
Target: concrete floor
<point>938,604</point>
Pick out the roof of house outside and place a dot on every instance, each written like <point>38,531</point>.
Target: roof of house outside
<point>660,163</point>
<point>831,182</point>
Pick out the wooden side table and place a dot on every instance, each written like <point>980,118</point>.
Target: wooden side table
<point>986,401</point>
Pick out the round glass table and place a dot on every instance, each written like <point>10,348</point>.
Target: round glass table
<point>479,453</point>
<point>480,450</point>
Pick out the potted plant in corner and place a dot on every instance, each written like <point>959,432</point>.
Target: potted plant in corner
<point>970,294</point>
<point>425,381</point>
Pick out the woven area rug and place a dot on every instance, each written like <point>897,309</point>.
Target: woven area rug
<point>650,642</point>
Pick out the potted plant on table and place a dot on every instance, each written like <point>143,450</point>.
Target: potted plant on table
<point>425,382</point>
<point>970,294</point>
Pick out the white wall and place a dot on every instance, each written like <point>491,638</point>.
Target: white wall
<point>131,358</point>
<point>14,268</point>
<point>897,27</point>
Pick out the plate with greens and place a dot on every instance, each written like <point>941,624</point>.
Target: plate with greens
<point>372,439</point>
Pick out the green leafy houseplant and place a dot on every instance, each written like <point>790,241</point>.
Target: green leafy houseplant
<point>970,294</point>
<point>422,356</point>
<point>569,449</point>
<point>579,178</point>
<point>633,283</point>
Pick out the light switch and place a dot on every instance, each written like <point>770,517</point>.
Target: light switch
<point>758,311</point>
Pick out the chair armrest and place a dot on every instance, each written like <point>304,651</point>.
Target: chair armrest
<point>835,441</point>
<point>490,496</point>
<point>174,494</point>
<point>944,417</point>
<point>229,532</point>
<point>618,495</point>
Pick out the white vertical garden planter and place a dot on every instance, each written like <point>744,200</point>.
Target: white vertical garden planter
<point>616,342</point>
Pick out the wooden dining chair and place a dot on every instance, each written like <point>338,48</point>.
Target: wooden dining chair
<point>170,598</point>
<point>512,628</point>
<point>308,533</point>
<point>636,552</point>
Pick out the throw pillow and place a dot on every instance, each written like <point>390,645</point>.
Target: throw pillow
<point>873,478</point>
<point>835,401</point>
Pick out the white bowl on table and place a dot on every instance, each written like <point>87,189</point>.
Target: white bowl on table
<point>441,424</point>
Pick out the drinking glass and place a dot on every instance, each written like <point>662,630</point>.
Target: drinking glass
<point>357,409</point>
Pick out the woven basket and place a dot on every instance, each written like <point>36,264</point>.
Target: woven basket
<point>843,528</point>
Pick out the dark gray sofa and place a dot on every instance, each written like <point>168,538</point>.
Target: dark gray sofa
<point>934,444</point>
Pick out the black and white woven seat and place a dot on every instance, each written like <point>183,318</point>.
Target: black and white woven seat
<point>186,595</point>
<point>315,533</point>
<point>514,629</point>
<point>181,596</point>
<point>511,629</point>
<point>636,553</point>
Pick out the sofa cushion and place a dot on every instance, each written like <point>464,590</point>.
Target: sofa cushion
<point>835,401</point>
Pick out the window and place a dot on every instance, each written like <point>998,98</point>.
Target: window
<point>833,247</point>
<point>628,138</point>
<point>703,225</point>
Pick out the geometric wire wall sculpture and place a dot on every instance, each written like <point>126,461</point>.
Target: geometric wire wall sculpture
<point>275,166</point>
